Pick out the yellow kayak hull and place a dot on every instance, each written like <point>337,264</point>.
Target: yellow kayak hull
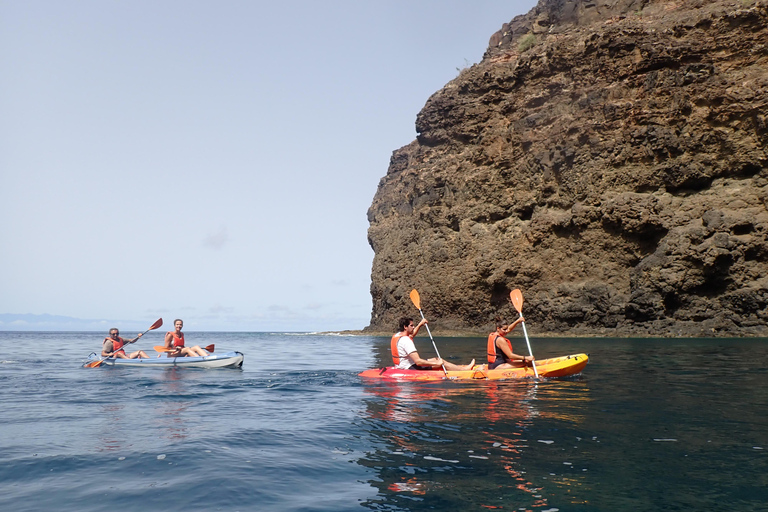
<point>549,368</point>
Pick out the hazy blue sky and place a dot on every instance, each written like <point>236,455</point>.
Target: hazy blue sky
<point>210,160</point>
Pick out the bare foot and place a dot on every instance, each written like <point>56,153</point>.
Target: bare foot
<point>470,365</point>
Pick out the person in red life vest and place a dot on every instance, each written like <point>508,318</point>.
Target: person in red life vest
<point>500,353</point>
<point>175,340</point>
<point>113,346</point>
<point>405,356</point>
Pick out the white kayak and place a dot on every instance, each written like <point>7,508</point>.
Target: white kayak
<point>224,360</point>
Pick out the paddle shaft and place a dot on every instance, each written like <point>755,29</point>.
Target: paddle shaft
<point>527,341</point>
<point>433,342</point>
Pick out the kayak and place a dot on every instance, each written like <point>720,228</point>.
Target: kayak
<point>564,366</point>
<point>224,360</point>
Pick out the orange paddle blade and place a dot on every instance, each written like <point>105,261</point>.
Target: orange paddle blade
<point>161,348</point>
<point>415,298</point>
<point>157,324</point>
<point>94,364</point>
<point>516,296</point>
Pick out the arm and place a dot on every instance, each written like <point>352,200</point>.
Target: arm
<point>416,358</point>
<point>106,349</point>
<point>168,340</point>
<point>515,324</point>
<point>511,356</point>
<point>416,329</point>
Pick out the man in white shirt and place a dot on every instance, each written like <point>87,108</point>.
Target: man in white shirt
<point>404,353</point>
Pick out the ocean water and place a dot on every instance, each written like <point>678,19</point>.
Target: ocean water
<point>650,425</point>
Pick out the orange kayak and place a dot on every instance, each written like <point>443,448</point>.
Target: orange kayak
<point>550,368</point>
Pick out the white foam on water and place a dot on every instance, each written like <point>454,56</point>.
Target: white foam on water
<point>496,445</point>
<point>546,441</point>
<point>478,457</point>
<point>121,458</point>
<point>568,463</point>
<point>665,440</point>
<point>161,457</point>
<point>757,447</point>
<point>551,510</point>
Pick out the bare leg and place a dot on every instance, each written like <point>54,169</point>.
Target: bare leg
<point>456,367</point>
<point>199,351</point>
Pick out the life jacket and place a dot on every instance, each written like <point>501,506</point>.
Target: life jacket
<point>178,341</point>
<point>393,347</point>
<point>116,345</point>
<point>493,350</point>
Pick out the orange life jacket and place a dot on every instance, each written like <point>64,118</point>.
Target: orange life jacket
<point>116,345</point>
<point>178,341</point>
<point>393,347</point>
<point>492,349</point>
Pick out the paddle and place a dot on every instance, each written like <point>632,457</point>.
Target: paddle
<point>417,302</point>
<point>161,348</point>
<point>96,364</point>
<point>517,300</point>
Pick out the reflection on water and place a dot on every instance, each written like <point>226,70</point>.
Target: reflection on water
<point>171,413</point>
<point>439,445</point>
<point>109,438</point>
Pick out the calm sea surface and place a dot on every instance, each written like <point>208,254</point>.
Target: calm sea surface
<point>650,425</point>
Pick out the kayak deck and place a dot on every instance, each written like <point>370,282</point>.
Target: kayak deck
<point>223,360</point>
<point>563,366</point>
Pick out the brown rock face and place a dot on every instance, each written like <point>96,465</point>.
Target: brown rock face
<point>608,158</point>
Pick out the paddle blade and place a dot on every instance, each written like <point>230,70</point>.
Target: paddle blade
<point>415,298</point>
<point>160,348</point>
<point>516,296</point>
<point>94,364</point>
<point>157,324</point>
<point>209,348</point>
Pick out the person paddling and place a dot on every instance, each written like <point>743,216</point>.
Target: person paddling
<point>112,346</point>
<point>500,354</point>
<point>405,356</point>
<point>175,340</point>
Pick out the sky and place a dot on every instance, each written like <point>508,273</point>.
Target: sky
<point>211,161</point>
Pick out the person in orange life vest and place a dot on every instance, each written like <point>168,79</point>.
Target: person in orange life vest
<point>404,353</point>
<point>175,340</point>
<point>500,353</point>
<point>113,346</point>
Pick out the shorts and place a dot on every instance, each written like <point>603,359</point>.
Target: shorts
<point>497,362</point>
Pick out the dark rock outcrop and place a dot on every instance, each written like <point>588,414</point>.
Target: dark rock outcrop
<point>608,158</point>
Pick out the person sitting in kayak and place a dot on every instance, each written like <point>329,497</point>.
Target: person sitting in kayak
<point>404,353</point>
<point>500,353</point>
<point>175,340</point>
<point>112,346</point>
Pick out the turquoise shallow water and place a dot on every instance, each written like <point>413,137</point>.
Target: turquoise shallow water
<point>650,425</point>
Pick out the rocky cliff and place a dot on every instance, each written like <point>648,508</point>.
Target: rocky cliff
<point>608,158</point>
